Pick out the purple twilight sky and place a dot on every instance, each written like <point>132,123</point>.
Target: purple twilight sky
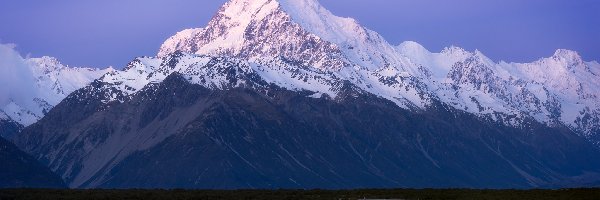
<point>113,32</point>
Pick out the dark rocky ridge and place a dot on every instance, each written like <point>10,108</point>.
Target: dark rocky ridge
<point>262,136</point>
<point>9,128</point>
<point>19,170</point>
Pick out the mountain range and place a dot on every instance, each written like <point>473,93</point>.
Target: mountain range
<point>284,94</point>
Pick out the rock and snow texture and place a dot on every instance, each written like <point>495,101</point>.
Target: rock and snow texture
<point>300,46</point>
<point>561,89</point>
<point>302,31</point>
<point>30,87</point>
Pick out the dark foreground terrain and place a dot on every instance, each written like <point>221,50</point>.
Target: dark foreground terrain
<point>301,194</point>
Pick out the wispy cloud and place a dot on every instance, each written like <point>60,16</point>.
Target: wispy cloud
<point>16,77</point>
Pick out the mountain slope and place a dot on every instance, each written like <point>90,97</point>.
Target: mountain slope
<point>8,127</point>
<point>32,86</point>
<point>239,131</point>
<point>19,170</point>
<point>306,34</point>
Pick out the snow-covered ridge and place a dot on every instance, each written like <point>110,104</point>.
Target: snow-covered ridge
<point>472,83</point>
<point>216,73</point>
<point>32,86</point>
<point>180,41</point>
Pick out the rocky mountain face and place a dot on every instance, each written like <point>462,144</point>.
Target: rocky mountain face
<point>9,128</point>
<point>32,86</point>
<point>237,130</point>
<point>283,94</point>
<point>19,170</point>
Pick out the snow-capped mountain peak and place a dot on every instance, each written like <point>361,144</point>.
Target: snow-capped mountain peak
<point>308,13</point>
<point>321,22</point>
<point>301,31</point>
<point>413,49</point>
<point>567,55</point>
<point>570,59</point>
<point>46,64</point>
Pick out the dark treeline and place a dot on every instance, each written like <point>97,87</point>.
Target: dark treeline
<point>423,194</point>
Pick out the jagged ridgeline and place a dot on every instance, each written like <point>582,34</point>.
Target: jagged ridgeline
<point>283,94</point>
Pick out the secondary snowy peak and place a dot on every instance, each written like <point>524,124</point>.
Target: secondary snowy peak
<point>434,65</point>
<point>32,86</point>
<point>567,55</point>
<point>46,64</point>
<point>301,31</point>
<point>570,59</point>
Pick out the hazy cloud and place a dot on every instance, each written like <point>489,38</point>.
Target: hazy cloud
<point>16,77</point>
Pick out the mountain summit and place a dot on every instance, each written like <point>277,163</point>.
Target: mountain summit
<point>300,31</point>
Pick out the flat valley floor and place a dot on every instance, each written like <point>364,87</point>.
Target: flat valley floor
<point>421,194</point>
